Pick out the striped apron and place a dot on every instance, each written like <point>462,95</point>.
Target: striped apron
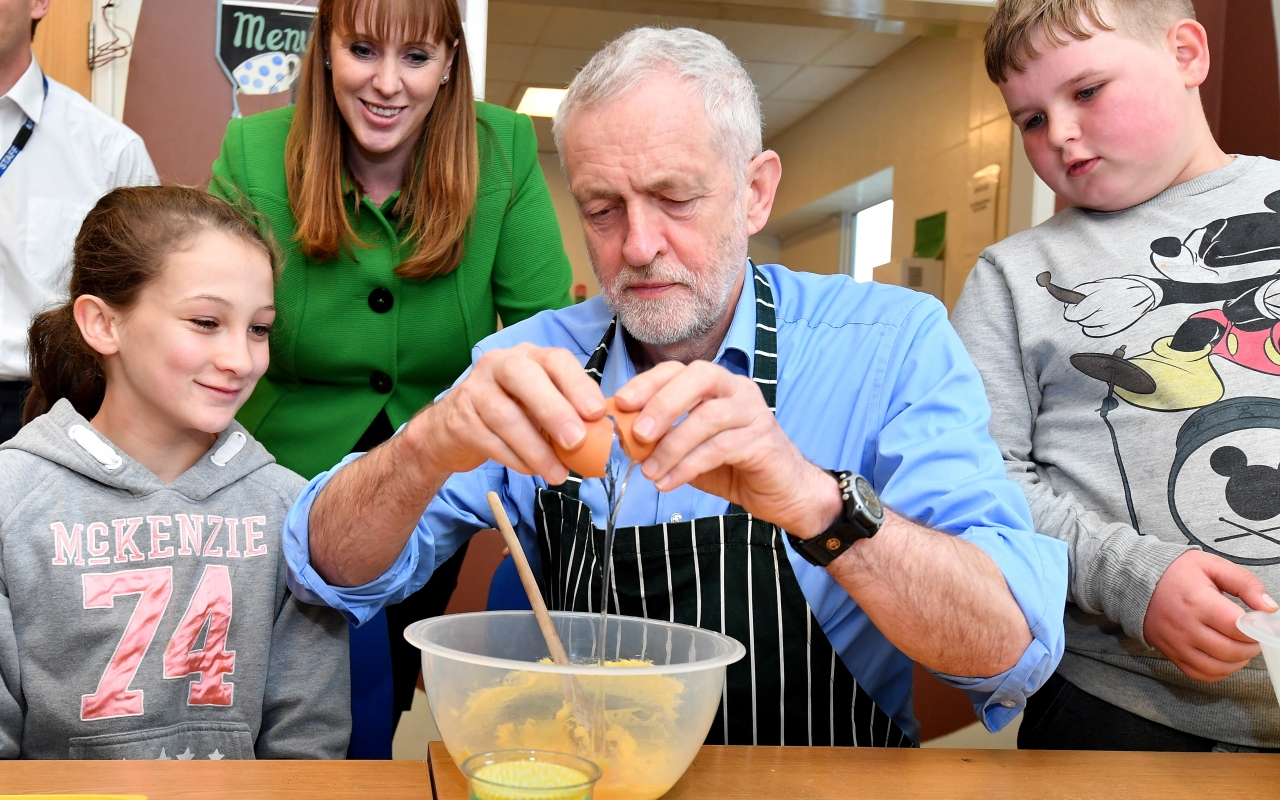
<point>729,574</point>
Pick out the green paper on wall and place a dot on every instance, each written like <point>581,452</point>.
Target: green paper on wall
<point>931,236</point>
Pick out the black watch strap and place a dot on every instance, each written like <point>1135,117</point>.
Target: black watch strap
<point>863,515</point>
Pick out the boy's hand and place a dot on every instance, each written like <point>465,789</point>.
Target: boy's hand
<point>1194,625</point>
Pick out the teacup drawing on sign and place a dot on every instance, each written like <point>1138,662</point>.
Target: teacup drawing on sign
<point>266,73</point>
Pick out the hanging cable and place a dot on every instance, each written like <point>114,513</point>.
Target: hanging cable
<point>118,47</point>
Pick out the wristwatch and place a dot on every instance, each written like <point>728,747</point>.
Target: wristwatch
<point>863,515</point>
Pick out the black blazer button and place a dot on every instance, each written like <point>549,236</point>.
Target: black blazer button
<point>381,382</point>
<point>381,300</point>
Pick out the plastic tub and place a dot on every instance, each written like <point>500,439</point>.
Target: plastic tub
<point>491,686</point>
<point>1264,627</point>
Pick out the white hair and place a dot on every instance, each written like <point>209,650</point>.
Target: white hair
<point>697,58</point>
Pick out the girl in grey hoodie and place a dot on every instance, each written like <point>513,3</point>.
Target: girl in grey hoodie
<point>143,606</point>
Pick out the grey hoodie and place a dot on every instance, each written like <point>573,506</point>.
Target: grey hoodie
<point>1131,362</point>
<point>142,620</point>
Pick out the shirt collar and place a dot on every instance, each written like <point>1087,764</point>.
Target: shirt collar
<point>736,353</point>
<point>28,92</point>
<point>348,187</point>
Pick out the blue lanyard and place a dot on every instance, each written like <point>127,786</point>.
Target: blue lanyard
<point>20,141</point>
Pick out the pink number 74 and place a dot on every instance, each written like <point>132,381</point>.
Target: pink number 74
<point>211,602</point>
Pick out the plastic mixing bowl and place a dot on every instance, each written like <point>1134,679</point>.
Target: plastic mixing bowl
<point>491,686</point>
<point>1265,628</point>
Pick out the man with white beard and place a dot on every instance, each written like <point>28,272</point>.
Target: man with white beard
<point>781,403</point>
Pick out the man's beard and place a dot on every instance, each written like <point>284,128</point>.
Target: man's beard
<point>687,311</point>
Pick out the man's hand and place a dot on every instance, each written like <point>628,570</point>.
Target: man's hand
<point>501,409</point>
<point>1194,625</point>
<point>361,520</point>
<point>1112,304</point>
<point>729,445</point>
<point>938,598</point>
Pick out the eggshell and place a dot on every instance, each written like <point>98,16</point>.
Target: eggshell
<point>589,458</point>
<point>625,419</point>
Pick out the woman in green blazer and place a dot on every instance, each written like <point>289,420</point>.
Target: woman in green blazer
<point>412,220</point>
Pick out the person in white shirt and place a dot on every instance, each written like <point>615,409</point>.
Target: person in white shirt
<point>58,155</point>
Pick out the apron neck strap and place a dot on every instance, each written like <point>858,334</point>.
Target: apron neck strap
<point>764,366</point>
<point>595,364</point>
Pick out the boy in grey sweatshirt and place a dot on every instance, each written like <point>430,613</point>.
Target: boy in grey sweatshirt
<point>145,620</point>
<point>1129,347</point>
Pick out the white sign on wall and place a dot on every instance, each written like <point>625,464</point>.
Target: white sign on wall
<point>260,46</point>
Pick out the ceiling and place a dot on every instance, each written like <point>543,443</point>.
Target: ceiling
<point>798,56</point>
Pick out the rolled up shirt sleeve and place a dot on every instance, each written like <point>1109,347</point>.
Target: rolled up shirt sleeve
<point>936,463</point>
<point>1034,568</point>
<point>457,512</point>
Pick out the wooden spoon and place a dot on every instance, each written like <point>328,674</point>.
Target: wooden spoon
<point>580,717</point>
<point>540,612</point>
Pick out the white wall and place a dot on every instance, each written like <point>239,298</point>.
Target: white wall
<point>931,113</point>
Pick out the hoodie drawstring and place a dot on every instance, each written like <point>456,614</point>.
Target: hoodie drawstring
<point>229,450</point>
<point>95,447</point>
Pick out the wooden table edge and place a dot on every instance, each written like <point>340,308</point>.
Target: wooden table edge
<point>751,773</point>
<point>232,780</point>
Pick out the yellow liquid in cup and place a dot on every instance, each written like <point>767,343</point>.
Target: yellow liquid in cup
<point>529,780</point>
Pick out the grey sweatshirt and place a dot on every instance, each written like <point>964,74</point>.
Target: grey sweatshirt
<point>1186,283</point>
<point>142,620</point>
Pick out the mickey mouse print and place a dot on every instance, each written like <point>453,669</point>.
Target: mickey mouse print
<point>1222,280</point>
<point>1235,445</point>
<point>1232,265</point>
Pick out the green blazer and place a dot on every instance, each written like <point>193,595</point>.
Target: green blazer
<point>351,337</point>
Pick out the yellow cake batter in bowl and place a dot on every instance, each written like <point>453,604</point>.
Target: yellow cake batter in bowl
<point>491,687</point>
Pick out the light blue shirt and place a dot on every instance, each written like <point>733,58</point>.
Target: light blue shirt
<point>872,379</point>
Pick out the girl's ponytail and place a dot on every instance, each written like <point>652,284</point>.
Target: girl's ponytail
<point>62,365</point>
<point>120,249</point>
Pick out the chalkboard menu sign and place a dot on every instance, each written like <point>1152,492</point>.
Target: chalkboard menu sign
<point>260,45</point>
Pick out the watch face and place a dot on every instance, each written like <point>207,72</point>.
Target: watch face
<point>1224,489</point>
<point>870,500</point>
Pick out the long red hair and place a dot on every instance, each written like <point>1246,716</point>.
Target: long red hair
<point>439,189</point>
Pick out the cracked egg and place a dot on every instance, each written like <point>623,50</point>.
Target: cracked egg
<point>590,458</point>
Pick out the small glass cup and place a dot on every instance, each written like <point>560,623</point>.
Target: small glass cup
<point>529,775</point>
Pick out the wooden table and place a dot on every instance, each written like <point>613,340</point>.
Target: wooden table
<point>234,780</point>
<point>731,773</point>
<point>793,773</point>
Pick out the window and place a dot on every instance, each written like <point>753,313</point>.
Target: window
<point>872,239</point>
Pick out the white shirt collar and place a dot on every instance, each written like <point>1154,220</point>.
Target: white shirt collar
<point>28,92</point>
